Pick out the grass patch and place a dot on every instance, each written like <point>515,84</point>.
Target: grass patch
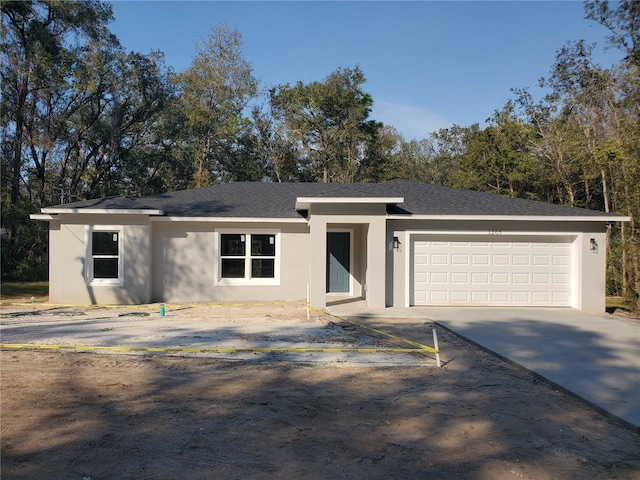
<point>620,303</point>
<point>23,290</point>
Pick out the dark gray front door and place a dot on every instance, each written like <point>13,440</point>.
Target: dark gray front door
<point>338,259</point>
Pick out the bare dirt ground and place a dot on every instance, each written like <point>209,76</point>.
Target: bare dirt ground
<point>141,415</point>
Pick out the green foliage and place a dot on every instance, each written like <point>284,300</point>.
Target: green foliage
<point>82,118</point>
<point>214,90</point>
<point>499,159</point>
<point>22,249</point>
<point>329,120</point>
<point>623,23</point>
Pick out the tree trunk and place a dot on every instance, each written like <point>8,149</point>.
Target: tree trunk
<point>625,278</point>
<point>633,234</point>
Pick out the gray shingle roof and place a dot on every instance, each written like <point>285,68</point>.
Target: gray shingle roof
<point>277,200</point>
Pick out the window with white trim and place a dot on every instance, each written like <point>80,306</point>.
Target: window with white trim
<point>249,258</point>
<point>104,257</point>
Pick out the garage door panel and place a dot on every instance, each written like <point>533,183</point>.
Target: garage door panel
<point>521,297</point>
<point>541,279</point>
<point>422,268</point>
<point>480,244</point>
<point>520,278</point>
<point>470,271</point>
<point>420,259</point>
<point>460,297</point>
<point>460,259</point>
<point>500,279</point>
<point>541,298</point>
<point>500,297</point>
<point>438,296</point>
<point>521,260</point>
<point>500,259</point>
<point>480,278</point>
<point>479,259</point>
<point>439,259</point>
<point>480,296</point>
<point>561,260</point>
<point>540,260</point>
<point>459,278</point>
<point>439,277</point>
<point>440,244</point>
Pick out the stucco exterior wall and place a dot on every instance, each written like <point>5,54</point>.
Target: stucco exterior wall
<point>185,258</point>
<point>588,269</point>
<point>369,225</point>
<point>68,282</point>
<point>177,261</point>
<point>591,272</point>
<point>164,261</point>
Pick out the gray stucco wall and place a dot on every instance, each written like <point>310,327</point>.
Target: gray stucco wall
<point>164,261</point>
<point>176,261</point>
<point>185,255</point>
<point>369,225</point>
<point>68,256</point>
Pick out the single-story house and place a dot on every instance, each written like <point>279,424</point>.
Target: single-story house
<point>398,243</point>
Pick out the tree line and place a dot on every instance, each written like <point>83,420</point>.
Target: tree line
<point>81,117</point>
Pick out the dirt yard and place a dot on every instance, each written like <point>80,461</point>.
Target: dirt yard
<point>140,415</point>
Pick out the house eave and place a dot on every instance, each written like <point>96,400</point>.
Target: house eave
<point>103,211</point>
<point>304,203</point>
<point>41,216</point>
<point>526,218</point>
<point>228,219</point>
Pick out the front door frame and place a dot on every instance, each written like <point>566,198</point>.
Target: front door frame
<point>350,231</point>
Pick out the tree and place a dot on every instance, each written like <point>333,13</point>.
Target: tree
<point>214,90</point>
<point>274,148</point>
<point>76,114</point>
<point>383,160</point>
<point>622,148</point>
<point>498,159</point>
<point>38,57</point>
<point>329,121</point>
<point>623,23</point>
<point>115,155</point>
<point>42,47</point>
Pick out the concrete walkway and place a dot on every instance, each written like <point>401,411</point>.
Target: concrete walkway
<point>595,357</point>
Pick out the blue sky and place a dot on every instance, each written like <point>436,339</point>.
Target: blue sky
<point>429,65</point>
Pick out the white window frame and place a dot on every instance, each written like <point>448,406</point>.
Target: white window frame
<point>247,280</point>
<point>90,280</point>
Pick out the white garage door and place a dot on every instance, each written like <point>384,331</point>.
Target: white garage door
<point>485,270</point>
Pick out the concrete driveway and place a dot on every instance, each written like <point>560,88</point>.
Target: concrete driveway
<point>595,357</point>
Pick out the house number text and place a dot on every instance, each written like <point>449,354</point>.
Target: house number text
<point>495,232</point>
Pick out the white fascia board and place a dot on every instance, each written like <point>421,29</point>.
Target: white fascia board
<point>303,203</point>
<point>527,218</point>
<point>229,219</point>
<point>41,216</point>
<point>103,211</point>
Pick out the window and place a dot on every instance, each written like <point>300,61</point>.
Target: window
<point>248,257</point>
<point>104,259</point>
